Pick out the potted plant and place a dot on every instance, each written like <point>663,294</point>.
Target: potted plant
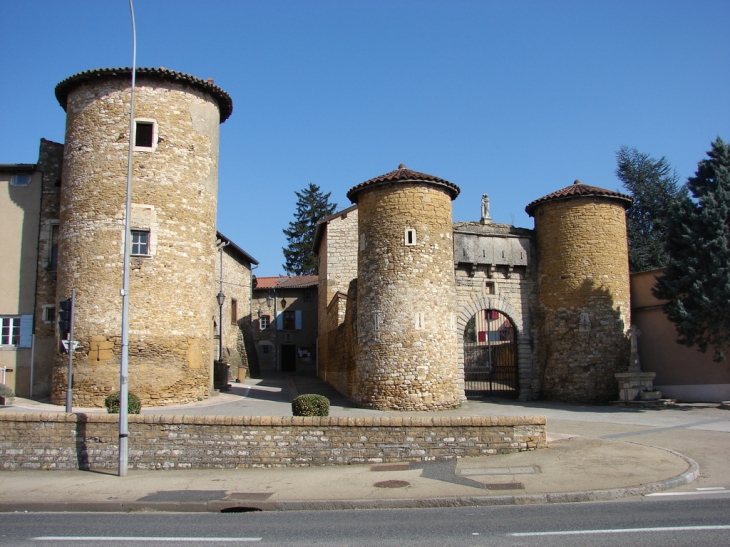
<point>6,395</point>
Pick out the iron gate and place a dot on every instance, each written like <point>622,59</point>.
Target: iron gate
<point>490,356</point>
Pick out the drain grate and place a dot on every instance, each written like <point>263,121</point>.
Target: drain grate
<point>256,496</point>
<point>392,484</point>
<point>391,467</point>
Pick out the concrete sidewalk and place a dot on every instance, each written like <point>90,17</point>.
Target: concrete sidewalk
<point>572,468</point>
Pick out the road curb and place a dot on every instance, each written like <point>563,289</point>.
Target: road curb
<point>217,506</point>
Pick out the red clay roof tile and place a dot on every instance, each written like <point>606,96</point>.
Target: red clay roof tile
<point>402,174</point>
<point>578,189</point>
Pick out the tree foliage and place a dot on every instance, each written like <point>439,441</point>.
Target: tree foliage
<point>312,205</point>
<point>697,279</point>
<point>654,187</point>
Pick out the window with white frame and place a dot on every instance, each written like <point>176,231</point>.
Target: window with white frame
<point>9,331</point>
<point>145,135</point>
<point>141,242</point>
<point>410,236</point>
<point>49,313</point>
<point>264,322</point>
<point>16,330</point>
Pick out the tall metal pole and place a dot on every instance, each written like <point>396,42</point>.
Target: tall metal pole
<point>221,297</point>
<point>124,366</point>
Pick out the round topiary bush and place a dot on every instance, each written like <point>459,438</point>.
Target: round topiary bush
<point>111,402</point>
<point>6,392</point>
<point>310,405</point>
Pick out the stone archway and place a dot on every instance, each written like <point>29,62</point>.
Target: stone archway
<point>488,355</point>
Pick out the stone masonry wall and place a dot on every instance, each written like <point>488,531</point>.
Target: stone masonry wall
<point>584,303</point>
<point>337,267</point>
<point>50,162</point>
<point>406,299</point>
<point>174,193</point>
<point>89,441</point>
<point>236,285</point>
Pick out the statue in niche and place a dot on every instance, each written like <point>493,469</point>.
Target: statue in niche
<point>634,333</point>
<point>485,209</point>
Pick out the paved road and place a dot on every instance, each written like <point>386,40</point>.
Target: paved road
<point>650,522</point>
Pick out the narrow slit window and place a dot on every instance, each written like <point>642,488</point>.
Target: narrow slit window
<point>410,236</point>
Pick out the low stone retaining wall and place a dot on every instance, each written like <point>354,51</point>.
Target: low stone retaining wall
<point>90,441</point>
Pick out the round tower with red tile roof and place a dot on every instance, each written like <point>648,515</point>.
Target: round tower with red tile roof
<point>583,291</point>
<point>174,197</point>
<point>405,330</point>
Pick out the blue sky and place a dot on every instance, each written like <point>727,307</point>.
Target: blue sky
<point>512,98</point>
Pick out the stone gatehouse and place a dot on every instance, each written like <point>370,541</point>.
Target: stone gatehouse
<point>419,312</point>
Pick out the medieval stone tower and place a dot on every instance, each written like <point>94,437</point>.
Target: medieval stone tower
<point>583,291</point>
<point>405,293</point>
<point>174,196</point>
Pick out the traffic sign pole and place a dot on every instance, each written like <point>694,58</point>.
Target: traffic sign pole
<point>71,347</point>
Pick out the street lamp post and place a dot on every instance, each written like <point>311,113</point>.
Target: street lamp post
<point>221,299</point>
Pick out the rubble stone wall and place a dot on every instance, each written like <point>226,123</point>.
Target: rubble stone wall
<point>89,441</point>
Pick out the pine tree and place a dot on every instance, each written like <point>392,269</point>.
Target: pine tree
<point>697,279</point>
<point>312,205</point>
<point>654,187</point>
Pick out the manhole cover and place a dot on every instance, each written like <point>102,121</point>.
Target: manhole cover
<point>392,484</point>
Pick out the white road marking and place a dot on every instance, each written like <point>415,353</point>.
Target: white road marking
<point>622,531</point>
<point>143,538</point>
<point>698,492</point>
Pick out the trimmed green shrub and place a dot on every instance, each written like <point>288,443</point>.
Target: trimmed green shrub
<point>6,392</point>
<point>310,405</point>
<point>112,403</point>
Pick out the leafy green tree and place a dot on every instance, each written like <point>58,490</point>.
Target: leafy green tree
<point>654,187</point>
<point>312,205</point>
<point>697,279</point>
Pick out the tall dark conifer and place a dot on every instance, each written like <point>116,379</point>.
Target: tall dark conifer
<point>654,187</point>
<point>312,205</point>
<point>697,279</point>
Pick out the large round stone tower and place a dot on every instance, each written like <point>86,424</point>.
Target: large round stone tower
<point>174,196</point>
<point>406,292</point>
<point>583,291</point>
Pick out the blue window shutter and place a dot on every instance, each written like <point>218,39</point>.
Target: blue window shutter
<point>279,321</point>
<point>298,320</point>
<point>26,330</point>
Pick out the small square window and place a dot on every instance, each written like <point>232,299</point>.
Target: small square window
<point>20,180</point>
<point>289,320</point>
<point>265,350</point>
<point>140,242</point>
<point>49,314</point>
<point>144,134</point>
